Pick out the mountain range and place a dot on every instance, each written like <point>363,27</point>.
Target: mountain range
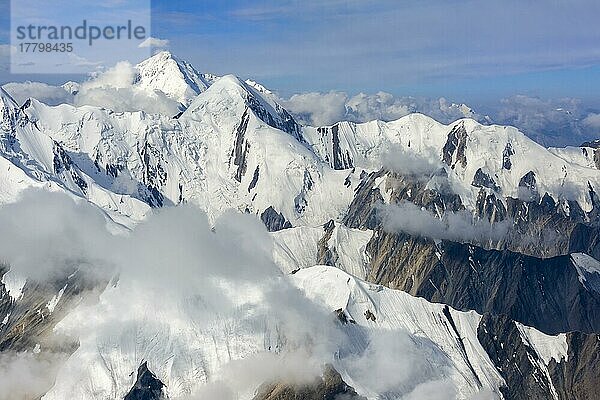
<point>227,251</point>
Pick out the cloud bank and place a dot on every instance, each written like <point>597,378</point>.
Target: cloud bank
<point>454,226</point>
<point>113,89</point>
<point>318,109</point>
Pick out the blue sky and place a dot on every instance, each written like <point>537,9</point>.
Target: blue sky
<point>462,49</point>
<point>471,51</point>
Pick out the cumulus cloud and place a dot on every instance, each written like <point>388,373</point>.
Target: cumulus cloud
<point>174,269</point>
<point>395,363</point>
<point>551,122</point>
<point>154,42</point>
<point>45,235</point>
<point>455,226</point>
<point>115,89</point>
<point>317,108</point>
<point>242,376</point>
<point>328,108</point>
<point>433,390</point>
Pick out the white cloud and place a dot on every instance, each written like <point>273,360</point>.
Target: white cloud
<point>420,166</point>
<point>177,274</point>
<point>383,106</point>
<point>455,226</point>
<point>206,275</point>
<point>318,108</point>
<point>43,92</point>
<point>115,89</point>
<point>154,42</point>
<point>396,363</point>
<point>45,233</point>
<point>551,122</point>
<point>592,121</point>
<point>25,376</point>
<point>328,108</point>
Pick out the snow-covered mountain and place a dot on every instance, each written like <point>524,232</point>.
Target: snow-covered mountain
<point>410,257</point>
<point>174,77</point>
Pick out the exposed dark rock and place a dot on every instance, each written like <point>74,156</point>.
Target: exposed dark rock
<point>455,147</point>
<point>325,255</point>
<point>489,207</point>
<point>341,316</point>
<point>114,170</point>
<point>483,180</point>
<point>597,158</point>
<point>328,387</point>
<point>515,360</point>
<point>370,316</point>
<point>340,159</point>
<point>62,161</point>
<point>241,147</point>
<point>573,378</point>
<point>282,120</point>
<point>460,342</point>
<point>594,144</point>
<point>273,220</point>
<point>147,386</point>
<point>300,201</point>
<point>578,376</point>
<point>539,227</point>
<point>528,187</point>
<point>543,293</point>
<point>154,176</point>
<point>506,154</point>
<point>363,211</point>
<point>254,179</point>
<point>29,321</point>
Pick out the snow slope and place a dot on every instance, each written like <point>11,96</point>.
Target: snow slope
<point>298,247</point>
<point>186,351</point>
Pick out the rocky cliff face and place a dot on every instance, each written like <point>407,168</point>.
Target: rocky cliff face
<point>29,310</point>
<point>147,386</point>
<point>544,293</point>
<point>532,373</point>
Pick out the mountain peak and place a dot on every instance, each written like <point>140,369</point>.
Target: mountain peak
<point>264,106</point>
<point>175,77</point>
